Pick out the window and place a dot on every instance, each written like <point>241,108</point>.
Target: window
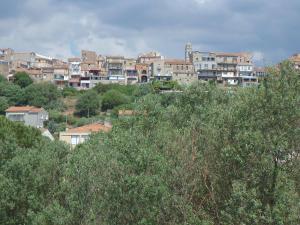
<point>74,139</point>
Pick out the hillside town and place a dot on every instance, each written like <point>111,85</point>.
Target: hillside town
<point>86,71</point>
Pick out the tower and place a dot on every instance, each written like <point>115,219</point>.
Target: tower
<point>188,51</point>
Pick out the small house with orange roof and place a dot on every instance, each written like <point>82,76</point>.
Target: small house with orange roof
<point>79,135</point>
<point>29,115</point>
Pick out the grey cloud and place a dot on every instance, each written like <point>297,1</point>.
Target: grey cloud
<point>135,26</point>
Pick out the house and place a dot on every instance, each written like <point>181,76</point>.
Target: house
<point>78,135</point>
<point>29,115</point>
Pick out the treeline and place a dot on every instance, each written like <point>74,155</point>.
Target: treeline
<point>206,156</point>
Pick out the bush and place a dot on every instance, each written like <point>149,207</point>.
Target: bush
<point>22,79</point>
<point>88,104</point>
<point>42,95</point>
<point>3,105</point>
<point>112,99</point>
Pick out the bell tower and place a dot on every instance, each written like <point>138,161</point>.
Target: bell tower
<point>188,51</point>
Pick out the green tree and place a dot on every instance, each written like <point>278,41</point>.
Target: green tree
<point>22,79</point>
<point>43,95</point>
<point>112,99</point>
<point>88,104</point>
<point>3,105</point>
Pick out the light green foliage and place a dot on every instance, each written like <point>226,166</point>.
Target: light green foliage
<point>22,79</point>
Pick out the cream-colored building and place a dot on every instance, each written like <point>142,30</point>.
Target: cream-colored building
<point>79,135</point>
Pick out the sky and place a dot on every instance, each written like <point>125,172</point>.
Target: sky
<point>61,28</point>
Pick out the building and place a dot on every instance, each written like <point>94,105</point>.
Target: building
<point>79,135</point>
<point>29,115</point>
<point>295,59</point>
<point>74,72</point>
<point>159,71</point>
<point>205,65</point>
<point>61,75</point>
<point>115,69</point>
<point>181,71</point>
<point>143,72</point>
<point>4,68</point>
<point>131,74</point>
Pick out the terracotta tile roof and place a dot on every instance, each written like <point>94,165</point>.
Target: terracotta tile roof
<point>24,109</point>
<point>90,128</point>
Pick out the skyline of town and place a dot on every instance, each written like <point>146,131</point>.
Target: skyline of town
<point>62,28</point>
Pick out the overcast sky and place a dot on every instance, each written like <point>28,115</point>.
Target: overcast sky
<point>61,28</point>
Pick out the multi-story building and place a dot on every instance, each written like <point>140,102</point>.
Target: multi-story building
<point>295,59</point>
<point>130,71</point>
<point>181,71</point>
<point>143,72</point>
<point>115,69</point>
<point>4,68</point>
<point>205,65</point>
<point>225,68</point>
<point>61,75</point>
<point>74,72</point>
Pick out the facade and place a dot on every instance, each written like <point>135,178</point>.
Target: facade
<point>61,75</point>
<point>115,69</point>
<point>4,68</point>
<point>130,71</point>
<point>79,135</point>
<point>222,67</point>
<point>205,65</point>
<point>74,72</point>
<point>295,59</point>
<point>143,72</point>
<point>29,115</point>
<point>181,71</point>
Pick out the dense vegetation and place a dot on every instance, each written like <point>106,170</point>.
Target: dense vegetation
<point>205,156</point>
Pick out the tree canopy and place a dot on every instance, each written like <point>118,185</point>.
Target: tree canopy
<point>22,79</point>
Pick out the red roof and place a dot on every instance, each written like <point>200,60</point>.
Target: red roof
<point>93,128</point>
<point>24,109</point>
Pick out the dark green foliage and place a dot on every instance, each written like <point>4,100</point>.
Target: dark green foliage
<point>43,95</point>
<point>31,174</point>
<point>113,99</point>
<point>207,156</point>
<point>12,92</point>
<point>3,105</point>
<point>88,104</point>
<point>69,91</point>
<point>22,79</point>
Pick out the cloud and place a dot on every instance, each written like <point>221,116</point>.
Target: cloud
<point>61,28</point>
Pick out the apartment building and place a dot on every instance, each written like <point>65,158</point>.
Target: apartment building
<point>130,71</point>
<point>61,75</point>
<point>74,72</point>
<point>223,67</point>
<point>115,69</point>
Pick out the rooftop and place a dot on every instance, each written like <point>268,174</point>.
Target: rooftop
<point>24,109</point>
<point>90,128</point>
